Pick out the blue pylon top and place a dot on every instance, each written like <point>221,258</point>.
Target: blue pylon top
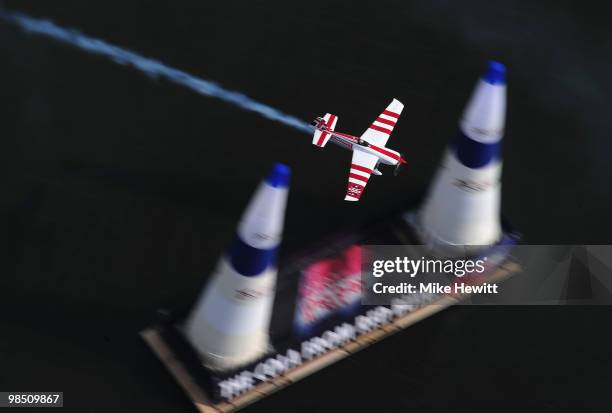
<point>496,73</point>
<point>279,176</point>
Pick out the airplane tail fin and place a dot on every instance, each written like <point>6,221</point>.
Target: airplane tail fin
<point>323,127</point>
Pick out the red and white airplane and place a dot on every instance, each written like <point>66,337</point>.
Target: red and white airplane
<point>368,149</point>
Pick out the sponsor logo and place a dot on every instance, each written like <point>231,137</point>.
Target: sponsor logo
<point>314,347</point>
<point>329,285</point>
<point>355,189</point>
<point>265,237</point>
<point>487,132</point>
<point>248,294</point>
<point>472,186</point>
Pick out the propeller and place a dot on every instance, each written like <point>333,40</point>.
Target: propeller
<point>399,165</point>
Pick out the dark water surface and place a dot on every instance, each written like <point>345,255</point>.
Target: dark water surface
<point>118,192</point>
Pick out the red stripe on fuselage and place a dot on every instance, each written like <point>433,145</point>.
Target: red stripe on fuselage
<point>344,135</point>
<point>385,152</point>
<point>361,168</point>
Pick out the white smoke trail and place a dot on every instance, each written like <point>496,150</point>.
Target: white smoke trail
<point>150,67</point>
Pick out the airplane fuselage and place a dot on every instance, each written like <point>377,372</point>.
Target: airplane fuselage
<point>385,155</point>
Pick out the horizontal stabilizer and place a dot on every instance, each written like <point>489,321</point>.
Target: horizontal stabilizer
<point>324,129</point>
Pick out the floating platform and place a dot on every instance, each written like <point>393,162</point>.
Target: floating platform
<point>296,321</point>
<point>205,403</point>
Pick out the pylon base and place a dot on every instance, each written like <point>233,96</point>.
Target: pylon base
<point>295,322</point>
<point>187,372</point>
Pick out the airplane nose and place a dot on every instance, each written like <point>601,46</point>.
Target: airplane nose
<point>399,165</point>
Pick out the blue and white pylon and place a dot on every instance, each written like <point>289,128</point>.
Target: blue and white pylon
<point>229,323</point>
<point>462,209</point>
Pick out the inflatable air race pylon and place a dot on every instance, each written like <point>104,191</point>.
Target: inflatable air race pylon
<point>462,209</point>
<point>229,323</point>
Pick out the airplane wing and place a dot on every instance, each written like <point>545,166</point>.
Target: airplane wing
<point>362,166</point>
<point>379,131</point>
